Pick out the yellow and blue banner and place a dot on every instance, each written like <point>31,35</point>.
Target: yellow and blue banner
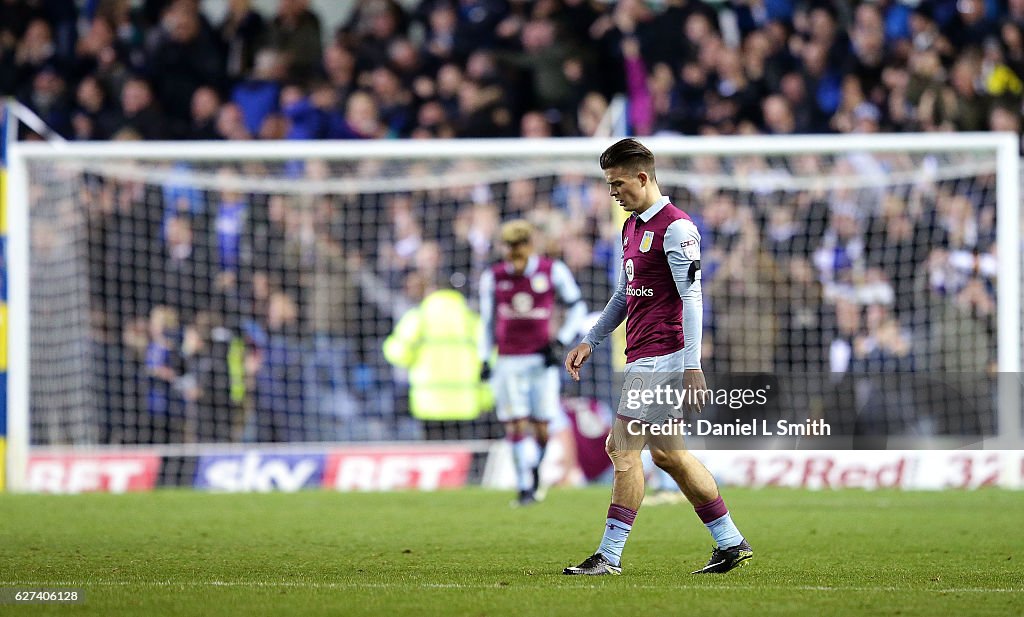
<point>4,119</point>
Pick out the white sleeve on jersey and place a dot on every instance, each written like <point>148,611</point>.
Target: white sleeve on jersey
<point>486,314</point>
<point>682,248</point>
<point>569,293</point>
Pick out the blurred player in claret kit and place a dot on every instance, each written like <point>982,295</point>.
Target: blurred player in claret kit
<point>659,296</point>
<point>517,301</point>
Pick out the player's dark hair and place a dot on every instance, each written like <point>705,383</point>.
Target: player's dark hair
<point>630,155</point>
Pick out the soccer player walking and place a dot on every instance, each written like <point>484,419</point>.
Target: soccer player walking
<point>517,300</point>
<point>659,296</point>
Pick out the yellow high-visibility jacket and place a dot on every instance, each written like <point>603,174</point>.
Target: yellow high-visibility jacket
<point>437,342</point>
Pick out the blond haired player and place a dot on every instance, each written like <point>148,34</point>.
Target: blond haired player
<point>517,302</point>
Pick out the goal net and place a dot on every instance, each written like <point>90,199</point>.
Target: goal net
<point>181,294</point>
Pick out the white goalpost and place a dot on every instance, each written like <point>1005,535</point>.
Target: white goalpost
<point>188,298</point>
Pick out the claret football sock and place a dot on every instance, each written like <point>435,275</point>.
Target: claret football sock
<point>716,518</point>
<point>616,530</point>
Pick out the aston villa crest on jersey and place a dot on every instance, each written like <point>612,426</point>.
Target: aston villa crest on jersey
<point>539,282</point>
<point>646,241</point>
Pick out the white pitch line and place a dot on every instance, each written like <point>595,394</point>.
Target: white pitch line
<point>400,585</point>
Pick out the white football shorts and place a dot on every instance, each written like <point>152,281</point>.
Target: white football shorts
<point>525,388</point>
<point>651,374</point>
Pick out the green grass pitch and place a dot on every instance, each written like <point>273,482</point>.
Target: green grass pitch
<point>468,553</point>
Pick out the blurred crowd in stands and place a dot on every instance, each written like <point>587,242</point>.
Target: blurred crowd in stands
<point>153,69</point>
<point>226,314</point>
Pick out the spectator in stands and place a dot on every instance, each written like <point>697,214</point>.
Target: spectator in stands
<point>362,119</point>
<point>963,404</point>
<point>885,392</point>
<point>14,19</point>
<point>399,240</point>
<point>778,115</point>
<point>94,116</point>
<point>482,111</point>
<point>66,415</point>
<point>489,68</point>
<point>295,32</point>
<point>970,316</point>
<point>330,295</point>
<point>305,120</point>
<point>822,82</point>
<point>49,99</point>
<point>440,40</point>
<point>885,346</point>
<point>734,84</point>
<point>898,245</point>
<point>129,421</point>
<point>210,396</point>
<point>372,27</point>
<point>1005,118</point>
<point>184,57</point>
<point>803,320</point>
<point>543,57</point>
<point>101,54</point>
<point>970,104</point>
<point>744,304</point>
<point>535,125</point>
<point>339,67</point>
<point>280,399</point>
<point>231,123</point>
<point>802,53</point>
<point>203,114</point>
<point>183,280</point>
<point>393,101</point>
<point>140,110</point>
<point>35,50</point>
<point>407,61</point>
<point>230,224</point>
<point>163,401</point>
<point>431,121</point>
<point>841,251</point>
<point>590,113</point>
<point>241,33</point>
<point>258,95</point>
<point>971,25</point>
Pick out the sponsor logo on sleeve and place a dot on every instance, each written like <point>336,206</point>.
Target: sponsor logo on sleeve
<point>691,250</point>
